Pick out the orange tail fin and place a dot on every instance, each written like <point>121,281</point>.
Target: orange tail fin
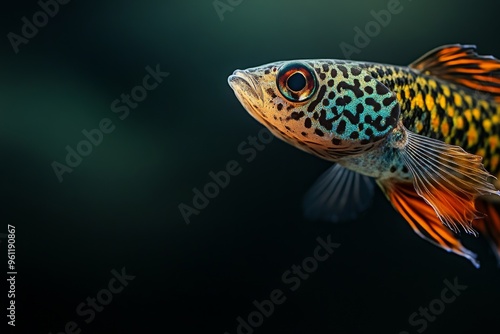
<point>489,226</point>
<point>423,219</point>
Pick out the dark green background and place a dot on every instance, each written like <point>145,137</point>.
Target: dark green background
<point>119,208</point>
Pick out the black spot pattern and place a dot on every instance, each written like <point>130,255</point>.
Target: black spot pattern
<point>381,89</point>
<point>341,127</point>
<point>308,123</point>
<point>271,92</point>
<point>319,132</point>
<point>326,123</point>
<point>321,95</point>
<point>344,71</point>
<point>336,141</point>
<point>371,102</point>
<point>356,88</point>
<point>297,115</point>
<point>353,119</point>
<point>355,71</point>
<point>378,125</point>
<point>360,108</point>
<point>387,101</point>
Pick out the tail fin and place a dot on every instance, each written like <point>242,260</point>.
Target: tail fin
<point>423,219</point>
<point>489,226</point>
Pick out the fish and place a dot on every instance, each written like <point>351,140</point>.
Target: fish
<point>427,134</point>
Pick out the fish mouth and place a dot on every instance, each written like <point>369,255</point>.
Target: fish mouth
<point>245,87</point>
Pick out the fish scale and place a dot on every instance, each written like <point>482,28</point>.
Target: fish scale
<point>426,133</point>
<point>444,111</point>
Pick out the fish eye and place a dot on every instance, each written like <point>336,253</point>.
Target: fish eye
<point>296,82</point>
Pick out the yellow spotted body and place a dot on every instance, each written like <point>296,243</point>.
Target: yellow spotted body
<point>454,114</point>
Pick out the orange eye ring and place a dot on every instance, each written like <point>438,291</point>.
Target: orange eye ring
<point>296,82</point>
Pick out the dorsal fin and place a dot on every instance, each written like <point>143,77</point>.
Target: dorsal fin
<point>460,64</point>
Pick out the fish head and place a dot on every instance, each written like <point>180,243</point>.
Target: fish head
<point>325,107</point>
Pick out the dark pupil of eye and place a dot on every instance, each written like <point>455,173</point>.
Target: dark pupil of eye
<point>296,82</point>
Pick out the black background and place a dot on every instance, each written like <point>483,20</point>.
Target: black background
<point>119,207</point>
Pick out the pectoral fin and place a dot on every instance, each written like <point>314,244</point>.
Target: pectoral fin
<point>339,194</point>
<point>448,179</point>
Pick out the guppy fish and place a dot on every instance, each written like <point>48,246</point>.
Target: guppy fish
<point>427,134</point>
